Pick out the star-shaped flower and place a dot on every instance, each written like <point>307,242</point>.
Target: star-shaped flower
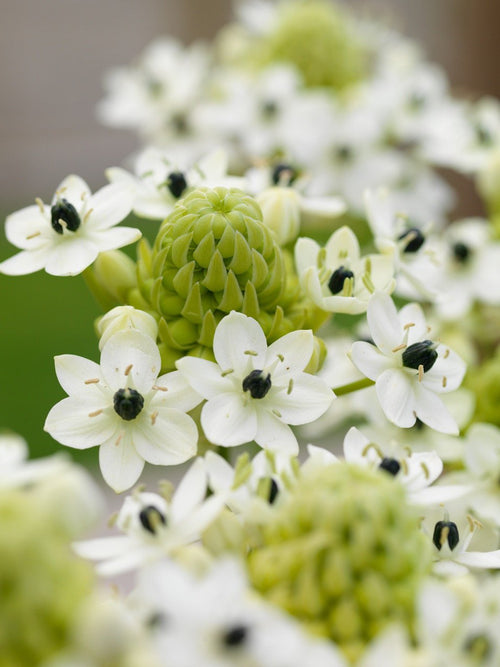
<point>66,237</point>
<point>125,408</point>
<point>408,369</point>
<point>155,527</point>
<point>253,392</point>
<point>337,278</point>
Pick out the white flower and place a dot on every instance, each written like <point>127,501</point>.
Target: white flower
<point>337,279</point>
<point>416,471</point>
<point>469,271</point>
<point>155,528</point>
<point>408,368</point>
<point>406,242</point>
<point>125,408</point>
<point>451,557</point>
<point>253,392</point>
<point>216,621</point>
<point>66,237</point>
<point>161,179</point>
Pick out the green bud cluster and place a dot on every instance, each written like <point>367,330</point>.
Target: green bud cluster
<point>317,38</point>
<point>344,554</point>
<point>212,255</point>
<point>42,585</point>
<point>484,382</point>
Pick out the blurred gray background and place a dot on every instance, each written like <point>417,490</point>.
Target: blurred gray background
<point>53,54</point>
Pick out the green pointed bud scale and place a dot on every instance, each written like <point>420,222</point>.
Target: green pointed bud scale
<point>213,254</point>
<point>343,553</point>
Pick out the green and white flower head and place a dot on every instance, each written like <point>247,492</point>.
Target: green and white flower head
<point>125,318</point>
<point>67,236</point>
<point>408,369</point>
<point>123,407</point>
<point>160,179</point>
<point>213,254</point>
<point>252,391</point>
<point>337,278</point>
<point>156,527</point>
<point>344,574</point>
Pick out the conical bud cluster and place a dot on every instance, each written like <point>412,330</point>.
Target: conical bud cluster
<point>212,255</point>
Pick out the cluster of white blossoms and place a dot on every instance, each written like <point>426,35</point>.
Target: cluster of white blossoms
<point>309,333</point>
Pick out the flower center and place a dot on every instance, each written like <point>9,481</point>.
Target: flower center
<point>445,531</point>
<point>128,403</point>
<point>235,636</point>
<point>64,215</point>
<point>151,518</point>
<point>283,174</point>
<point>420,354</point>
<point>269,109</point>
<point>257,383</point>
<point>343,153</point>
<point>176,183</point>
<point>392,466</point>
<point>461,252</point>
<point>414,239</point>
<point>338,278</point>
<point>478,646</point>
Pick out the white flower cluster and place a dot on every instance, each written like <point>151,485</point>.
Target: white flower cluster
<point>383,337</point>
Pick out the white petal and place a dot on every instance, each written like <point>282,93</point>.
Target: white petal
<point>204,376</point>
<point>341,245</point>
<point>170,440</point>
<point>110,205</point>
<point>355,450</point>
<point>432,411</point>
<point>73,372</point>
<point>413,313</point>
<point>74,189</point>
<point>27,261</point>
<point>227,421</point>
<point>482,449</point>
<point>293,352</point>
<point>69,423</point>
<point>220,472</point>
<point>111,239</point>
<point>308,399</point>
<point>24,228</point>
<point>385,327</point>
<point>70,256</point>
<point>370,361</point>
<point>134,353</point>
<point>274,435</point>
<point>452,367</point>
<point>179,394</point>
<point>395,394</point>
<point>235,336</point>
<point>121,466</point>
<point>487,559</point>
<point>330,207</point>
<point>190,492</point>
<point>102,547</point>
<point>306,254</point>
<point>437,495</point>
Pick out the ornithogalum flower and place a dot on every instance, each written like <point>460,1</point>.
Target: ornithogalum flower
<point>253,392</point>
<point>66,237</point>
<point>125,408</point>
<point>408,368</point>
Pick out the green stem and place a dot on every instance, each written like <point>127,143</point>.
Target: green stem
<point>353,386</point>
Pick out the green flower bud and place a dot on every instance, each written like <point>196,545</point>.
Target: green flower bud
<point>484,382</point>
<point>488,183</point>
<point>212,255</point>
<point>317,38</point>
<point>344,554</point>
<point>111,278</point>
<point>42,584</point>
<point>281,210</point>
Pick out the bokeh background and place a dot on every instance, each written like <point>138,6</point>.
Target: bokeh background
<point>53,55</point>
